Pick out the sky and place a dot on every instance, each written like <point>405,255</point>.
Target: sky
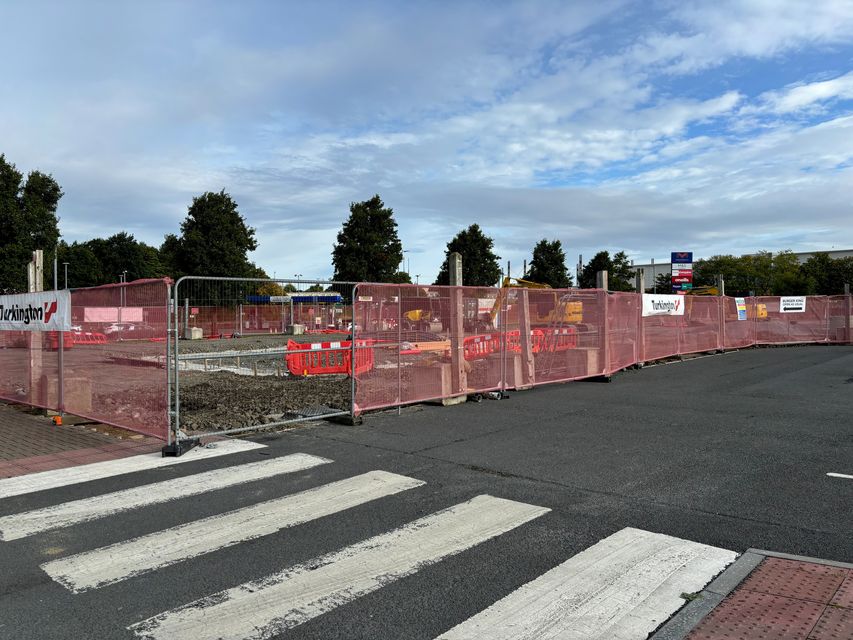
<point>649,127</point>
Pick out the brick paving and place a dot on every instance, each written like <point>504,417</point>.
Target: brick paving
<point>31,443</point>
<point>785,600</point>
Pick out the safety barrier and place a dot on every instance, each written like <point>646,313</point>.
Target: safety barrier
<point>574,334</point>
<point>90,337</point>
<point>122,383</point>
<point>325,358</point>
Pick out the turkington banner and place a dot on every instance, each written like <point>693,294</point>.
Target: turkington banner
<point>662,305</point>
<point>45,311</point>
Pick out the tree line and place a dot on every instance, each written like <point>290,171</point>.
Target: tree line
<point>214,240</point>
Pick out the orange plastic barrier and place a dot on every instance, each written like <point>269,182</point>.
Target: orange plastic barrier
<point>544,340</point>
<point>53,340</point>
<point>315,362</point>
<point>89,337</point>
<point>551,340</point>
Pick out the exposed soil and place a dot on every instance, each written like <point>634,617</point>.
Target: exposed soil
<point>259,341</point>
<point>222,400</point>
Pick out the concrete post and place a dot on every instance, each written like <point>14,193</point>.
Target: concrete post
<point>458,376</point>
<point>601,280</point>
<point>640,280</point>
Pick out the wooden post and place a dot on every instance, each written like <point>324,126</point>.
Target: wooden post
<point>458,376</point>
<point>528,368</point>
<point>35,344</point>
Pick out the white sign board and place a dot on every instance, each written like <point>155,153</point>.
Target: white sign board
<point>662,305</point>
<point>44,311</point>
<point>112,314</point>
<point>792,304</point>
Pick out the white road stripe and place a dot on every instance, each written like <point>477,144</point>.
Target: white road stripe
<point>268,606</point>
<point>839,475</point>
<point>621,588</point>
<point>100,567</point>
<point>21,525</point>
<point>43,480</point>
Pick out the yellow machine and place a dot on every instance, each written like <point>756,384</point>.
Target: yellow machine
<point>704,291</point>
<point>542,312</point>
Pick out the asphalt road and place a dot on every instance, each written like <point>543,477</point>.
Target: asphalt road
<point>729,450</point>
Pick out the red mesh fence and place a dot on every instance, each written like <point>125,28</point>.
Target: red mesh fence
<point>511,338</point>
<point>114,361</point>
<point>738,324</point>
<point>773,325</point>
<point>623,330</point>
<point>29,365</point>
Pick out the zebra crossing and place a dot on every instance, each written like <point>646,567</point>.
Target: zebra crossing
<point>623,586</point>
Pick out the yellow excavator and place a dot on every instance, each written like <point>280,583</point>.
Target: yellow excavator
<point>542,312</point>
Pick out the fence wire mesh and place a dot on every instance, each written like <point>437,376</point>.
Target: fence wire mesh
<point>113,362</point>
<point>434,342</point>
<point>252,353</point>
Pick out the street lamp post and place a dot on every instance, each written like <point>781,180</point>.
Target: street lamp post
<point>65,264</point>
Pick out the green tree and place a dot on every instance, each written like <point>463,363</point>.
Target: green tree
<point>786,277</point>
<point>27,222</point>
<point>619,272</point>
<point>122,253</point>
<point>84,267</point>
<point>368,248</point>
<point>480,265</point>
<point>401,277</point>
<point>548,265</point>
<point>214,240</point>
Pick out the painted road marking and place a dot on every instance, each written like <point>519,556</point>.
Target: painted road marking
<point>622,587</point>
<point>44,480</point>
<point>268,606</point>
<point>839,475</point>
<point>100,567</point>
<point>21,525</point>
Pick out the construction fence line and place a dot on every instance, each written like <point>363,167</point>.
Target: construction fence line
<point>227,355</point>
<point>436,342</point>
<point>110,367</point>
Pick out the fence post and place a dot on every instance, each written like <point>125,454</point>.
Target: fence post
<point>721,286</point>
<point>640,278</point>
<point>458,377</point>
<point>352,351</point>
<point>399,349</point>
<point>641,333</point>
<point>528,369</point>
<point>601,284</point>
<point>168,364</point>
<point>848,312</point>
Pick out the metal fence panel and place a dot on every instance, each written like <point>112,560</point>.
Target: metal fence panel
<point>113,364</point>
<point>251,352</point>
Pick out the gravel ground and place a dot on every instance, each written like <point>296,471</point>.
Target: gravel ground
<point>222,400</point>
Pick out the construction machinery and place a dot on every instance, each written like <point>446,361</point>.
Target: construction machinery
<point>547,310</point>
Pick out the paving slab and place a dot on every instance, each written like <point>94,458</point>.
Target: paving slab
<point>30,443</point>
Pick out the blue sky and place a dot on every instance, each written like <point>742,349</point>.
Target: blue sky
<point>716,127</point>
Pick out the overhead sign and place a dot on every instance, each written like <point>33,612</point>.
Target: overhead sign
<point>662,305</point>
<point>43,311</point>
<point>682,257</point>
<point>792,304</point>
<point>741,308</point>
